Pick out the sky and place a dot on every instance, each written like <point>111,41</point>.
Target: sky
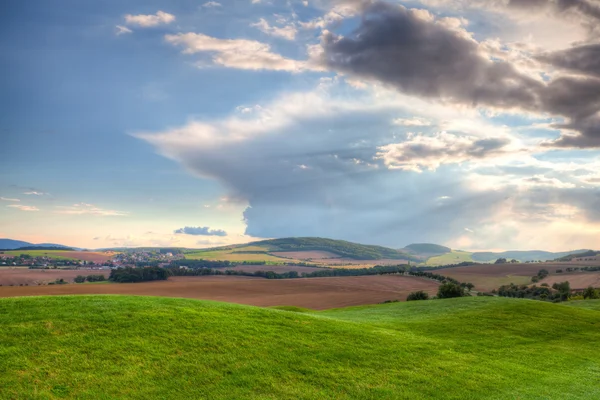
<point>472,124</point>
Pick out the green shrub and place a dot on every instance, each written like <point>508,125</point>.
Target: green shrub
<point>419,295</point>
<point>449,290</point>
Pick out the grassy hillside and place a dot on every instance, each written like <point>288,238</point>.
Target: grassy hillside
<point>427,248</point>
<point>530,255</point>
<point>341,247</point>
<point>454,257</point>
<point>143,347</point>
<point>54,254</point>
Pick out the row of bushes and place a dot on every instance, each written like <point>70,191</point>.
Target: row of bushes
<point>124,275</point>
<point>89,278</point>
<point>446,290</point>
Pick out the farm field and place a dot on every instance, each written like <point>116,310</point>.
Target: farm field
<point>95,256</point>
<point>236,254</point>
<point>487,277</point>
<point>314,293</point>
<point>26,276</point>
<point>280,269</point>
<point>577,280</point>
<point>149,347</point>
<point>454,257</point>
<point>306,255</point>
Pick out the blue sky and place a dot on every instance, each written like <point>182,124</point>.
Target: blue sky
<point>125,122</point>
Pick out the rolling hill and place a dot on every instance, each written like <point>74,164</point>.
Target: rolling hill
<point>427,248</point>
<point>527,255</point>
<point>147,347</point>
<point>10,244</point>
<point>340,247</point>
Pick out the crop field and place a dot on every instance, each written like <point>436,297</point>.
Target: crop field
<point>97,257</point>
<point>314,293</point>
<point>454,257</point>
<point>306,255</point>
<point>26,276</point>
<point>275,268</point>
<point>487,277</point>
<point>235,254</point>
<point>157,348</point>
<point>577,280</point>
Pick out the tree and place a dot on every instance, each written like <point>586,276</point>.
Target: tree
<point>419,295</point>
<point>79,279</point>
<point>449,290</point>
<point>591,293</point>
<point>501,261</point>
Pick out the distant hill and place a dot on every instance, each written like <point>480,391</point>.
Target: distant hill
<point>527,255</point>
<point>340,247</point>
<point>570,256</point>
<point>427,248</point>
<point>10,244</point>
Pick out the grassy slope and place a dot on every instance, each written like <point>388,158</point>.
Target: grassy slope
<point>453,257</point>
<point>589,304</point>
<point>233,254</point>
<point>55,254</point>
<point>144,347</point>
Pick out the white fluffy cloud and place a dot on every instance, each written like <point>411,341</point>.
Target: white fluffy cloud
<point>286,32</point>
<point>147,21</point>
<point>211,4</point>
<point>419,152</point>
<point>237,53</point>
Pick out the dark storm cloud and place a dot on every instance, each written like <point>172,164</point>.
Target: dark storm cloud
<point>583,59</point>
<point>418,56</point>
<point>396,46</point>
<point>200,231</point>
<point>585,8</point>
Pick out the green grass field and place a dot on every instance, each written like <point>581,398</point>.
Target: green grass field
<point>55,254</point>
<point>235,254</point>
<point>90,347</point>
<point>453,257</point>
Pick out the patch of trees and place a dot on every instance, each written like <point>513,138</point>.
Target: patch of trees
<point>590,293</point>
<point>542,273</point>
<point>89,278</point>
<point>450,290</point>
<point>123,275</point>
<point>559,292</point>
<point>501,261</point>
<point>418,295</point>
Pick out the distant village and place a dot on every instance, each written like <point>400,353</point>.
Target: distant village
<point>125,259</point>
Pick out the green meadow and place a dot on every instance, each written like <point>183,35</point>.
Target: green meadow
<point>55,254</point>
<point>454,257</point>
<point>115,347</point>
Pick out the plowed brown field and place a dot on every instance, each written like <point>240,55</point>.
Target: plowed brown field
<point>22,276</point>
<point>487,277</point>
<point>315,293</point>
<point>577,280</point>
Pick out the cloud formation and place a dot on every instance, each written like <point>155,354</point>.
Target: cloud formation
<point>200,231</point>
<point>424,56</point>
<point>236,53</point>
<point>122,30</point>
<point>211,4</point>
<point>88,209</point>
<point>286,32</point>
<point>420,152</point>
<point>147,21</point>
<point>23,207</point>
<point>9,199</point>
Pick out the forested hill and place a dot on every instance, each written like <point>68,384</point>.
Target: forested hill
<point>340,247</point>
<point>427,248</point>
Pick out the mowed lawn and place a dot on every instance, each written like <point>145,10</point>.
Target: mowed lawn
<point>454,257</point>
<point>90,347</point>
